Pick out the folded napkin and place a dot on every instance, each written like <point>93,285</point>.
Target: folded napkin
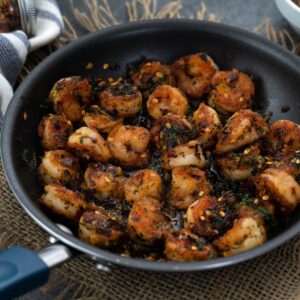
<point>15,46</point>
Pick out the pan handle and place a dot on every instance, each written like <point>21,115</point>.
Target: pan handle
<point>22,270</point>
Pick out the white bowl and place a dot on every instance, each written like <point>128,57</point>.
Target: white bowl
<point>291,11</point>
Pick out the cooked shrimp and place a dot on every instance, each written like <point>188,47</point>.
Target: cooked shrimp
<point>170,130</point>
<point>151,75</point>
<point>280,187</point>
<point>199,215</point>
<point>101,228</point>
<point>210,217</point>
<point>207,125</point>
<point>105,180</point>
<point>231,91</point>
<point>185,155</point>
<point>240,166</point>
<point>63,201</point>
<point>54,131</point>
<point>129,145</point>
<point>122,99</point>
<point>59,166</point>
<point>245,234</point>
<point>97,119</point>
<point>167,99</point>
<point>146,222</point>
<point>188,184</point>
<point>244,127</point>
<point>70,96</point>
<point>144,183</point>
<point>282,138</point>
<point>184,246</point>
<point>89,144</point>
<point>193,74</point>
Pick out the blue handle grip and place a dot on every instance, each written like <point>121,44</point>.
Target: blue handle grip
<point>21,270</point>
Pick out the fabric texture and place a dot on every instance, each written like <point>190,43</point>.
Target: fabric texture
<point>16,45</point>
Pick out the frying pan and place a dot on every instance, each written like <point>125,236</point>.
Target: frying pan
<point>276,74</point>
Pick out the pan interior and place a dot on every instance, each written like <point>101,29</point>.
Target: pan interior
<point>276,74</point>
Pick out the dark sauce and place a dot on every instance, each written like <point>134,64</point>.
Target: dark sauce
<point>141,118</point>
<point>30,160</point>
<point>220,186</point>
<point>175,217</point>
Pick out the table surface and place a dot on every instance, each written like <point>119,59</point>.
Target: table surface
<point>240,13</point>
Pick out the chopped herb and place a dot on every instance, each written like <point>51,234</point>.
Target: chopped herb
<point>223,223</point>
<point>122,89</point>
<point>156,163</point>
<point>220,184</point>
<point>176,135</point>
<point>246,200</point>
<point>200,242</point>
<point>81,139</point>
<point>154,83</point>
<point>297,154</point>
<point>265,213</point>
<point>253,162</point>
<point>211,255</point>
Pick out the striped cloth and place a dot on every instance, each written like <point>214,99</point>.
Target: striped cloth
<point>15,46</point>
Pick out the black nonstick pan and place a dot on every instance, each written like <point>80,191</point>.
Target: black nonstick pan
<point>276,73</point>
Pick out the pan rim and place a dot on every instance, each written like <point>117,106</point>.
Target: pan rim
<point>101,254</point>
